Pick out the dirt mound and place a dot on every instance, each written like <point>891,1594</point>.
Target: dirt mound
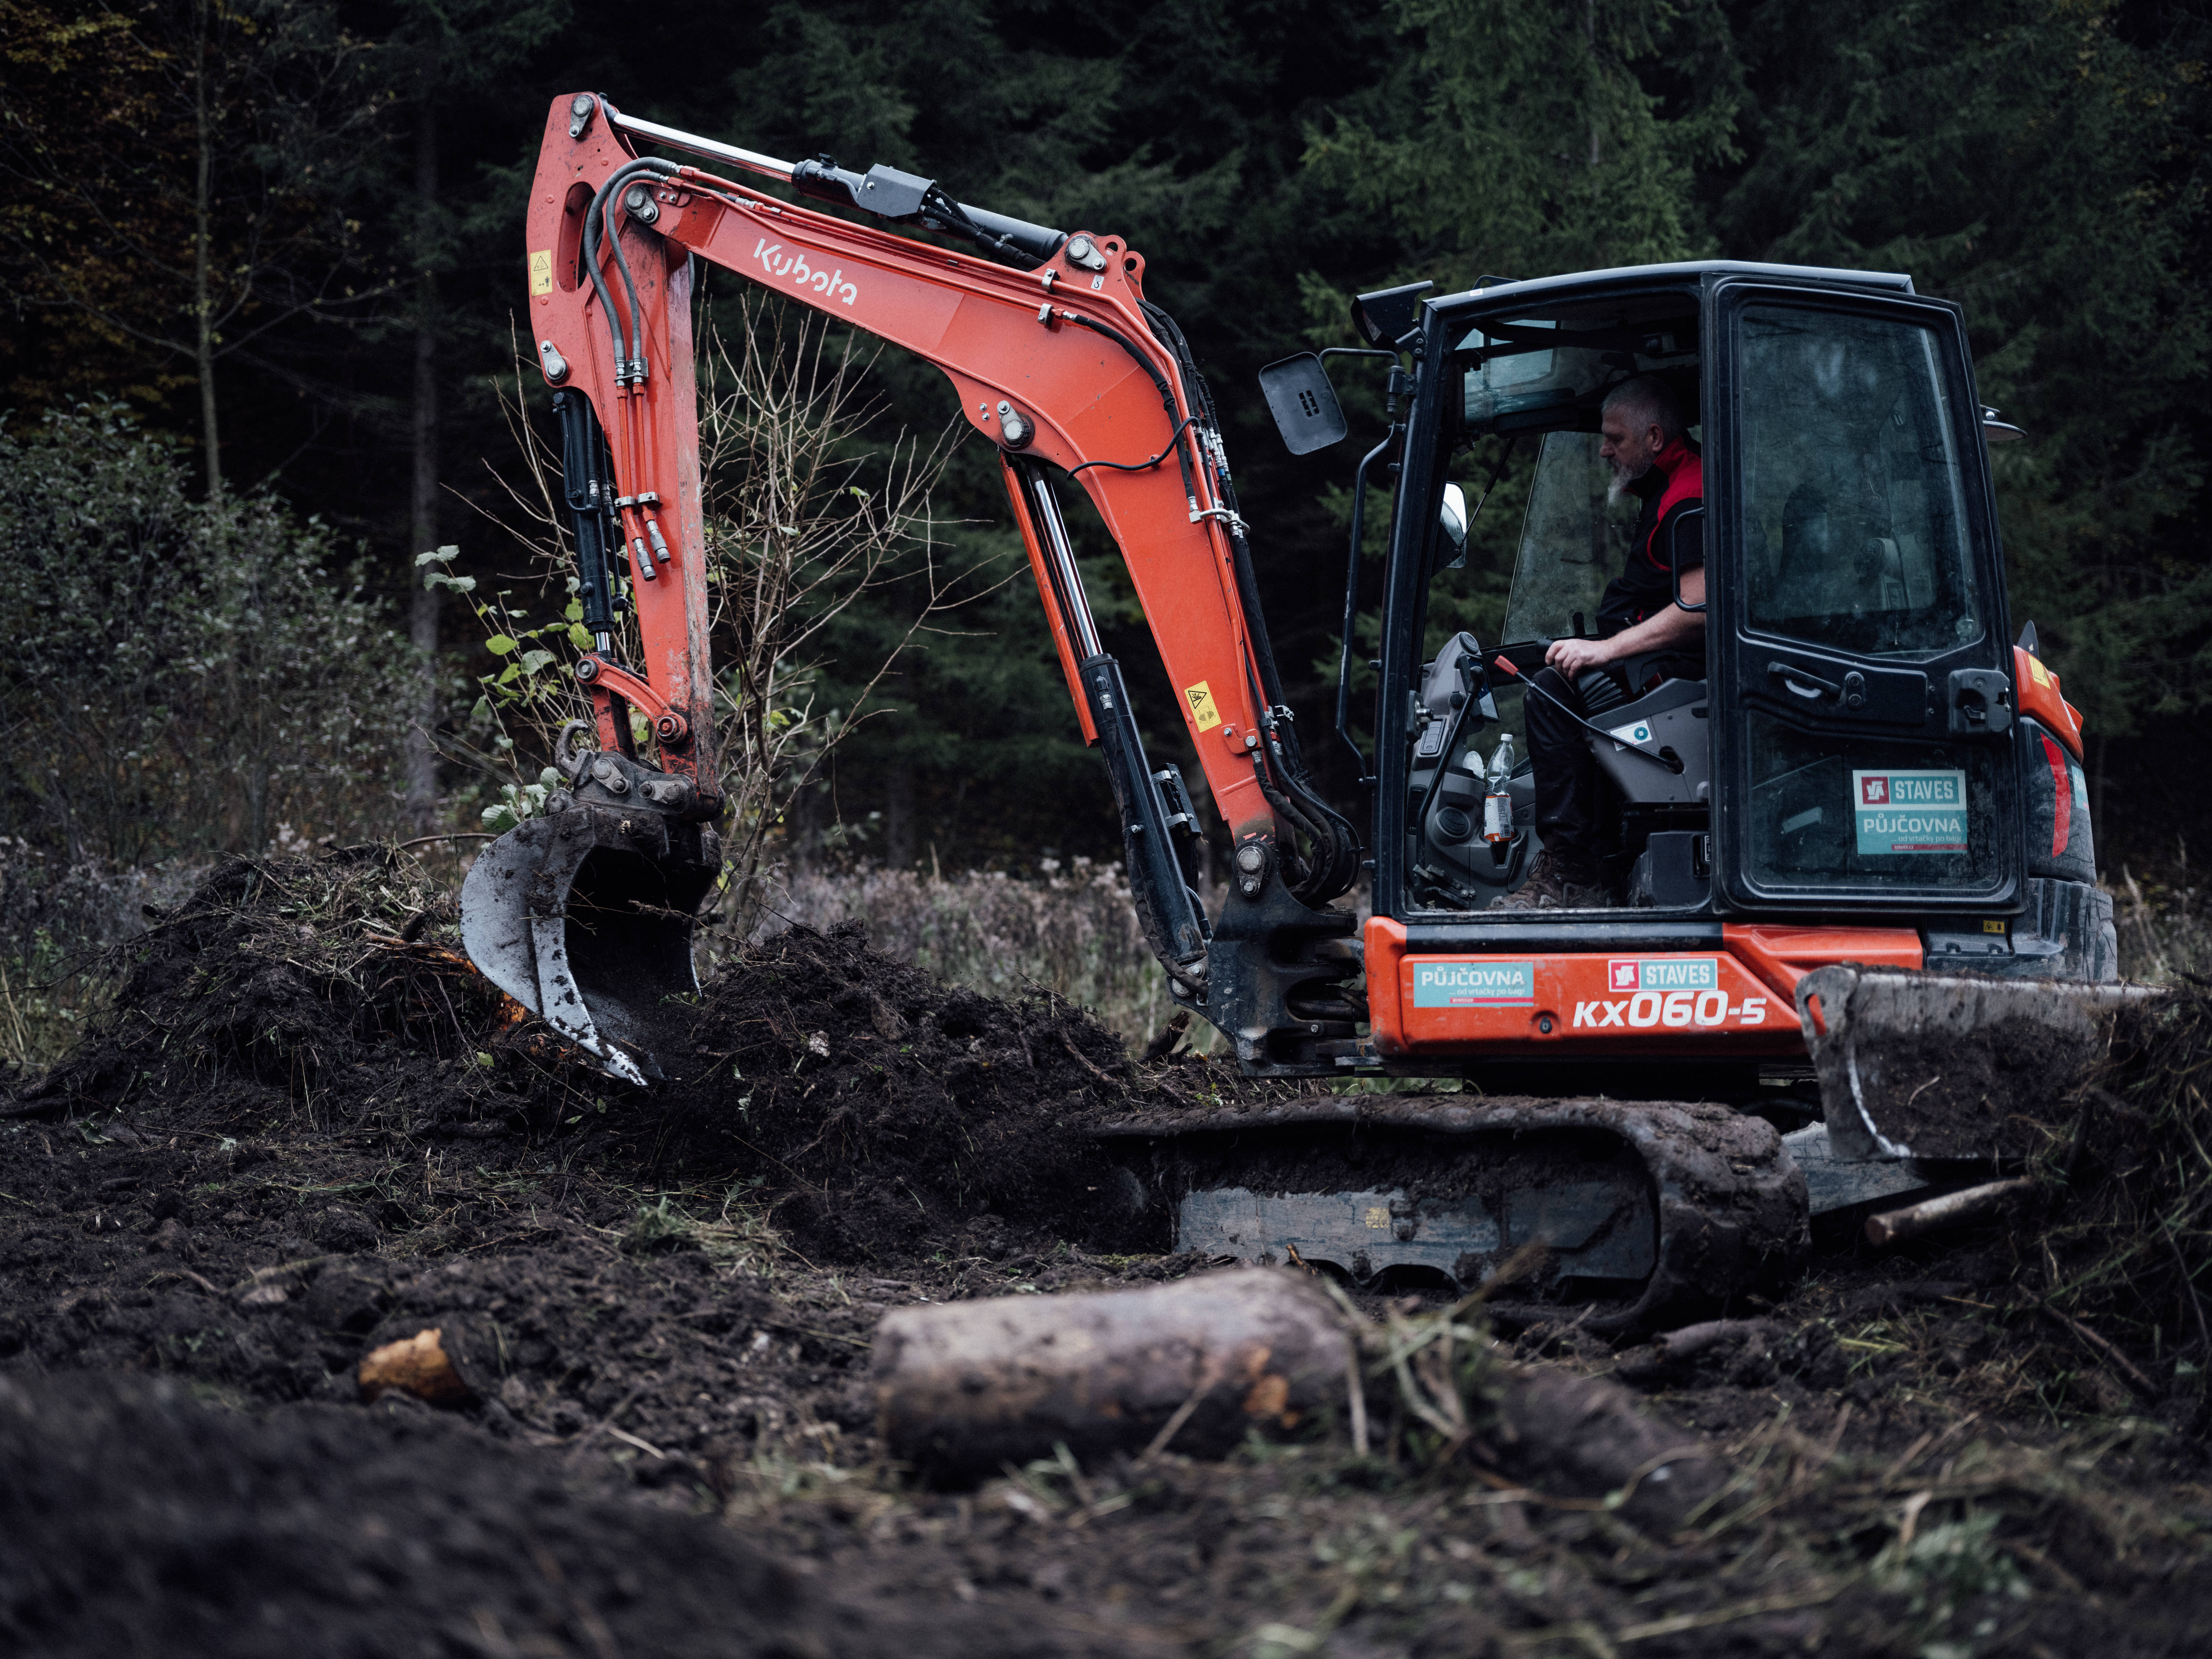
<point>278,987</point>
<point>890,1109</point>
<point>135,1520</point>
<point>877,1110</point>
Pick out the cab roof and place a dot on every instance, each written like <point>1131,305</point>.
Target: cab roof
<point>1688,271</point>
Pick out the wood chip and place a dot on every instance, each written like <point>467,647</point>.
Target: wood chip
<point>420,1367</point>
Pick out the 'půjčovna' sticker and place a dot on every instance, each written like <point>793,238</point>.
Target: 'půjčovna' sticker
<point>1484,984</point>
<point>1910,811</point>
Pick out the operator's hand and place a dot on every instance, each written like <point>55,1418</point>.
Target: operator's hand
<point>1572,657</point>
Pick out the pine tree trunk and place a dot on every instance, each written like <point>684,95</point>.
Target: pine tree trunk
<point>423,613</point>
<point>898,815</point>
<point>202,295</point>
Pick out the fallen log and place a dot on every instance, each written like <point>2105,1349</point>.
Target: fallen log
<point>1583,1442</point>
<point>964,1389</point>
<point>1892,1225</point>
<point>1682,1349</point>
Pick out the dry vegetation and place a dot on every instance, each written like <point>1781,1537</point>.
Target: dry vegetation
<point>1073,931</point>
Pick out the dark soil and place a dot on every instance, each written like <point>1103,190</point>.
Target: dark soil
<point>308,1132</point>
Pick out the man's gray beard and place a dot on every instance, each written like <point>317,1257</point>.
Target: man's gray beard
<point>1618,489</point>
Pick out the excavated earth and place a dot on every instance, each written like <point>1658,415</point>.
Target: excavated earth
<point>307,1130</point>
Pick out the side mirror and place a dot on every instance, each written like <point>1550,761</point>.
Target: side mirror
<point>1999,431</point>
<point>1451,516</point>
<point>1303,403</point>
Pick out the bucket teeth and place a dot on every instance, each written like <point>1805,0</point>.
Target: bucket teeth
<point>584,917</point>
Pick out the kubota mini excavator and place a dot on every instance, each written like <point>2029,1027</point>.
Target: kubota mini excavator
<point>1868,783</point>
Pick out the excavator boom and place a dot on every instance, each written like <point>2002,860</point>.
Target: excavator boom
<point>1064,367</point>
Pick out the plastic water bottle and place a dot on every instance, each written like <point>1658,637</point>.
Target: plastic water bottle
<point>1497,802</point>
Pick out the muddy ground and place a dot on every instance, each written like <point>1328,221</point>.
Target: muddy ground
<point>309,1131</point>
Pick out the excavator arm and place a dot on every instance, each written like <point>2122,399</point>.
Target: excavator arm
<point>1057,360</point>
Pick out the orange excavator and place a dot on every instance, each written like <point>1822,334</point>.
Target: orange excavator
<point>1868,784</point>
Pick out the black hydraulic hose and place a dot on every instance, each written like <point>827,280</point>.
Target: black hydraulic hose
<point>940,212</point>
<point>612,235</point>
<point>1343,840</point>
<point>1158,380</point>
<point>661,169</point>
<point>631,347</point>
<point>599,285</point>
<point>1288,817</point>
<point>1137,466</point>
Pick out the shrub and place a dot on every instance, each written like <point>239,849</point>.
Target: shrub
<point>185,673</point>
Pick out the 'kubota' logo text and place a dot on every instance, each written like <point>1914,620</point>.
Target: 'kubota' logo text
<point>793,267</point>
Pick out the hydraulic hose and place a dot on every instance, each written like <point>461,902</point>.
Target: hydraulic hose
<point>629,346</point>
<point>1158,380</point>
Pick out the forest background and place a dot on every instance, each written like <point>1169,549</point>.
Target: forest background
<point>264,257</point>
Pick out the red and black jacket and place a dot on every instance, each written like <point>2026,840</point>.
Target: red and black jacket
<point>1675,484</point>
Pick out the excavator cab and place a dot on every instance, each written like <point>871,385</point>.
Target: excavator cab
<point>1854,619</point>
<point>1865,752</point>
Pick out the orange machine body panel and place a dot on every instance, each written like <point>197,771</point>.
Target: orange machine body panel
<point>1738,999</point>
<point>2039,694</point>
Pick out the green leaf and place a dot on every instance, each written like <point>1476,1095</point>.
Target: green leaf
<point>581,636</point>
<point>534,660</point>
<point>500,644</point>
<point>499,818</point>
<point>576,610</point>
<point>513,673</point>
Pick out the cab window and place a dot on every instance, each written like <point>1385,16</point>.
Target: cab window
<point>1856,532</point>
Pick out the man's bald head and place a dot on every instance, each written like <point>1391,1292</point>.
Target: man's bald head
<point>1647,401</point>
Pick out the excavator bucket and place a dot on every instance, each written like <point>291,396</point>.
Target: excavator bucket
<point>1938,1066</point>
<point>584,917</point>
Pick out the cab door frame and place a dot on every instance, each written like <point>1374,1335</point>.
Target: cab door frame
<point>1741,658</point>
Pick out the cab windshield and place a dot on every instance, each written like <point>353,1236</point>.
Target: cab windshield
<point>1552,533</point>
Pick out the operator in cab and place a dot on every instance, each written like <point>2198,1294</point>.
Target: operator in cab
<point>1647,445</point>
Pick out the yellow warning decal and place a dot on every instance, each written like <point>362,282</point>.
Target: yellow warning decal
<point>1376,1219</point>
<point>1993,926</point>
<point>541,270</point>
<point>2042,674</point>
<point>1203,714</point>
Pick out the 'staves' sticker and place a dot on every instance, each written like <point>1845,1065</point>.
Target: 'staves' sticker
<point>1916,812</point>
